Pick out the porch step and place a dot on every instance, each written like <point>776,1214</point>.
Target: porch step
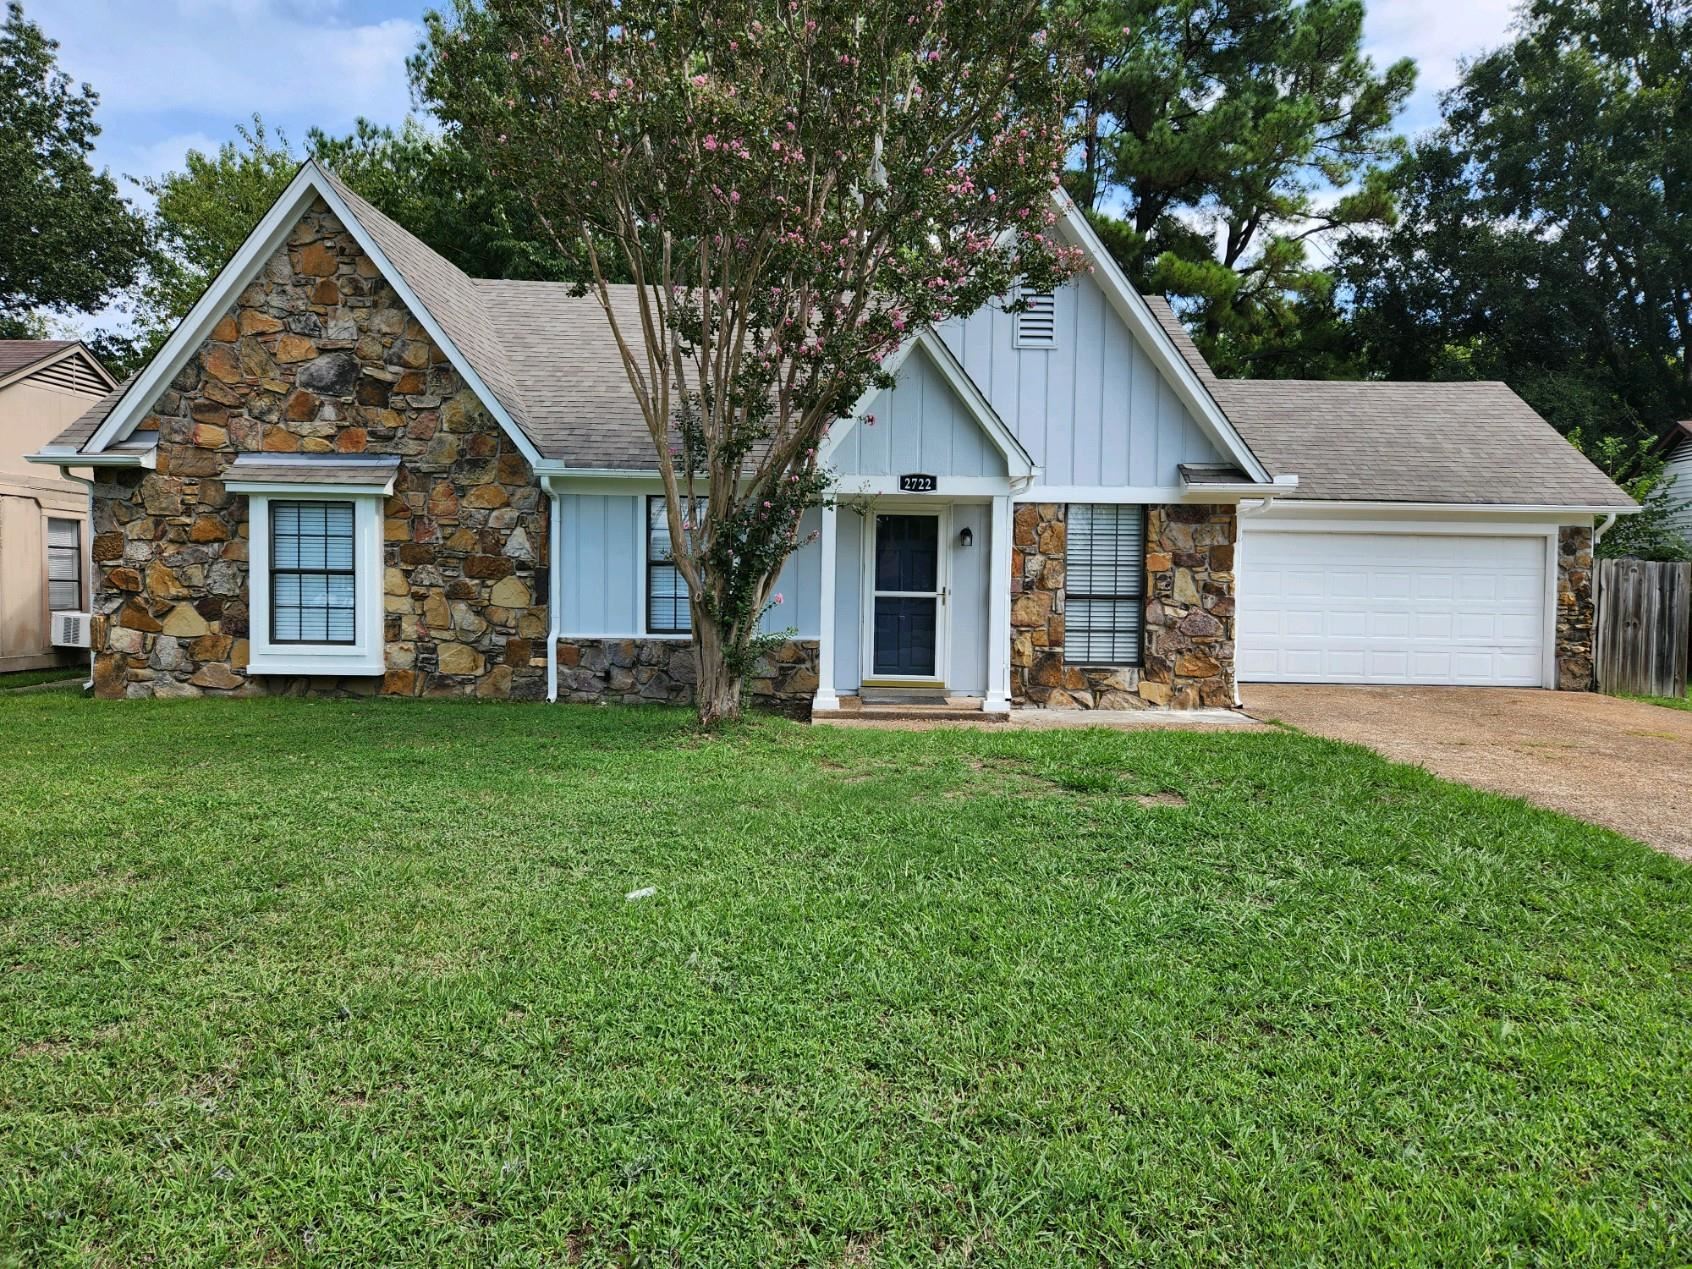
<point>901,694</point>
<point>855,711</point>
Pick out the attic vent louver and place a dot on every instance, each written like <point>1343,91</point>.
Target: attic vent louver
<point>1036,326</point>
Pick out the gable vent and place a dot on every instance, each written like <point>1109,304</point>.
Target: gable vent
<point>1036,326</point>
<point>71,375</point>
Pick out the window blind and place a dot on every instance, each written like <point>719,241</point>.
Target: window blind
<point>313,579</point>
<point>64,565</point>
<point>1105,582</point>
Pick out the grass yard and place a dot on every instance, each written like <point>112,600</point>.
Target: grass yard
<point>30,678</point>
<point>358,983</point>
<point>1668,702</point>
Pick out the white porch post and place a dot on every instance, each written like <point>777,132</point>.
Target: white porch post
<point>825,698</point>
<point>998,608</point>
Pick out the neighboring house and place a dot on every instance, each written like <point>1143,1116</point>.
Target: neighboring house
<point>1675,447</point>
<point>45,385</point>
<point>355,469</point>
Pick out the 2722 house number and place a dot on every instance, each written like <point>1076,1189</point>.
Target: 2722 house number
<point>918,483</point>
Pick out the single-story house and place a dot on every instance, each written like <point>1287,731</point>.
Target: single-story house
<point>355,469</point>
<point>1674,446</point>
<point>45,386</point>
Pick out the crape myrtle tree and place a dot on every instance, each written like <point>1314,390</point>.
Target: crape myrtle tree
<point>794,187</point>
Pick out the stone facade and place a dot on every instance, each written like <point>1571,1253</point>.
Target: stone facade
<point>319,356</point>
<point>1189,656</point>
<point>1189,615</point>
<point>1576,612</point>
<point>663,671</point>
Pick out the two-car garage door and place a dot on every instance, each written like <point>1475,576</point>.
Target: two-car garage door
<point>1359,607</point>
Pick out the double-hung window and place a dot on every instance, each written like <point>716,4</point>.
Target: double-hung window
<point>64,564</point>
<point>1105,584</point>
<point>315,580</point>
<point>666,590</point>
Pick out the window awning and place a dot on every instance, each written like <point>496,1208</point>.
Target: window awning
<point>310,473</point>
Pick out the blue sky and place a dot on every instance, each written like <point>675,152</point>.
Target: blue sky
<point>175,74</point>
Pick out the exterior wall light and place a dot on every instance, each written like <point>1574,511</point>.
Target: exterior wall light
<point>966,536</point>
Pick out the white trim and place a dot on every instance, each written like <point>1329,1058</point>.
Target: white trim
<point>826,699</point>
<point>62,458</point>
<point>950,487</point>
<point>1546,511</point>
<point>555,549</point>
<point>1018,464</point>
<point>316,489</point>
<point>1134,311</point>
<point>942,594</point>
<point>1149,494</point>
<point>998,608</point>
<point>270,233</point>
<point>613,636</point>
<point>366,657</point>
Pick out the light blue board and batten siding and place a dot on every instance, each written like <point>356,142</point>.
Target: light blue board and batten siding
<point>1679,468</point>
<point>603,559</point>
<point>920,426</point>
<point>1092,410</point>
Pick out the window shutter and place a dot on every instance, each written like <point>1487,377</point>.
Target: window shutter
<point>1036,325</point>
<point>1104,581</point>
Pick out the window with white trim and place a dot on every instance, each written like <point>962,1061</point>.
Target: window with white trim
<point>1036,324</point>
<point>666,590</point>
<point>1104,584</point>
<point>64,564</point>
<point>315,584</point>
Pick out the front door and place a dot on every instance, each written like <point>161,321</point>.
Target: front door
<point>908,598</point>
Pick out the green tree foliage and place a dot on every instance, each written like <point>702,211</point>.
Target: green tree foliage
<point>1641,468</point>
<point>1546,234</point>
<point>1216,133</point>
<point>795,186</point>
<point>67,240</point>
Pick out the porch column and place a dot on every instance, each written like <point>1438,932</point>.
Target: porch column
<point>825,698</point>
<point>998,608</point>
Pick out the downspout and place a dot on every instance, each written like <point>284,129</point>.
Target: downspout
<point>555,586</point>
<point>87,482</point>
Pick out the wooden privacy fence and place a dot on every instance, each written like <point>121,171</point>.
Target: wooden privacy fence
<point>1643,627</point>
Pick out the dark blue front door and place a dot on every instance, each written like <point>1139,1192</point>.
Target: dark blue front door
<point>907,599</point>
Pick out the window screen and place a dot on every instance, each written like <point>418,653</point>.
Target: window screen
<point>64,565</point>
<point>666,591</point>
<point>1105,571</point>
<point>313,581</point>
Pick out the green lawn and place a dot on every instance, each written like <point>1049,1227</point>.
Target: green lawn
<point>357,983</point>
<point>29,678</point>
<point>1669,702</point>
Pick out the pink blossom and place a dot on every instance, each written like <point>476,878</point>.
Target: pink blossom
<point>778,598</point>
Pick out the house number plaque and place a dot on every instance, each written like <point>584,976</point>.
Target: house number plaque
<point>916,482</point>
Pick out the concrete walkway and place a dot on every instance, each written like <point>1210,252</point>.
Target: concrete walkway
<point>1623,764</point>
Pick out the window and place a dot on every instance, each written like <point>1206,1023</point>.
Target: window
<point>1036,325</point>
<point>666,591</point>
<point>64,565</point>
<point>313,581</point>
<point>1105,572</point>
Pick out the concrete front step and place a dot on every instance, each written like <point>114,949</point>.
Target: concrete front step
<point>967,709</point>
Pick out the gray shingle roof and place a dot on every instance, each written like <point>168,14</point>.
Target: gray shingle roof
<point>1374,441</point>
<point>338,470</point>
<point>15,354</point>
<point>76,435</point>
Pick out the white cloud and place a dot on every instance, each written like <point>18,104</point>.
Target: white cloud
<point>1438,35</point>
<point>229,58</point>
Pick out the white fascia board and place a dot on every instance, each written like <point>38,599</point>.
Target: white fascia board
<point>282,488</point>
<point>76,458</point>
<point>1548,511</point>
<point>270,233</point>
<point>1132,308</point>
<point>1018,462</point>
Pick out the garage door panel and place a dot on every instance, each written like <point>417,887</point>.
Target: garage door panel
<point>1392,608</point>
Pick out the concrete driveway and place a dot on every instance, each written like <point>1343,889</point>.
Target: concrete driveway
<point>1623,764</point>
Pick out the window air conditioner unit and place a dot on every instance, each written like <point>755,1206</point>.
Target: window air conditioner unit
<point>70,629</point>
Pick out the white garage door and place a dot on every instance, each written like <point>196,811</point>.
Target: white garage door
<point>1392,608</point>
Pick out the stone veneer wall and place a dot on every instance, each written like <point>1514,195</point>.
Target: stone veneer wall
<point>663,671</point>
<point>1576,612</point>
<point>318,355</point>
<point>1189,615</point>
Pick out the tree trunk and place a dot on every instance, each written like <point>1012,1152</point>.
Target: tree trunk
<point>717,693</point>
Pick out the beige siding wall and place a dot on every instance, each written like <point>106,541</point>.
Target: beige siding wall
<point>30,416</point>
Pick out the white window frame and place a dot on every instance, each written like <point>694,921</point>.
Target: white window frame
<point>1071,597</point>
<point>78,552</point>
<point>363,657</point>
